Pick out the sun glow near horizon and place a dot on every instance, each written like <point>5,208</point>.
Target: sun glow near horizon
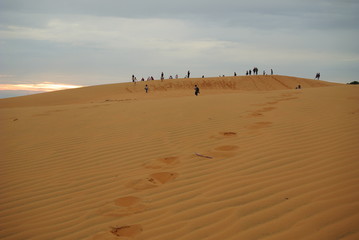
<point>38,87</point>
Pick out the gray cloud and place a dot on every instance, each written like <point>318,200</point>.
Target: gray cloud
<point>94,42</point>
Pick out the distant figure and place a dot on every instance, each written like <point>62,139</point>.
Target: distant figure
<point>142,79</point>
<point>250,72</point>
<point>317,76</point>
<point>133,78</point>
<point>271,72</point>
<point>171,77</point>
<point>235,74</point>
<point>176,76</point>
<point>162,76</point>
<point>146,88</point>
<point>196,90</point>
<point>264,72</point>
<point>188,73</point>
<point>298,87</point>
<point>247,73</point>
<point>202,76</point>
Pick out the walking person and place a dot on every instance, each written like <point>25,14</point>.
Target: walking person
<point>188,73</point>
<point>146,88</point>
<point>196,90</point>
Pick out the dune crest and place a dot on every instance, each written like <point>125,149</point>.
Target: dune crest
<point>127,92</point>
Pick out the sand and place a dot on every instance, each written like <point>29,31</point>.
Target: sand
<point>250,158</point>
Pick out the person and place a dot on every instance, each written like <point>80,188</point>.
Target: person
<point>247,73</point>
<point>133,78</point>
<point>188,73</point>
<point>271,72</point>
<point>250,72</point>
<point>235,74</point>
<point>146,88</point>
<point>162,76</point>
<point>196,90</point>
<point>317,76</point>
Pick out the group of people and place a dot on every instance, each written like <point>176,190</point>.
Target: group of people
<point>255,72</point>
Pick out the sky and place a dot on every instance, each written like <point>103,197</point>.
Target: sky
<point>48,45</point>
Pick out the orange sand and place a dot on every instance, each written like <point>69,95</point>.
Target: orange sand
<point>250,158</point>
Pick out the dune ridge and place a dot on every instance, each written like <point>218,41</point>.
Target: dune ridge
<point>168,87</point>
<point>256,164</point>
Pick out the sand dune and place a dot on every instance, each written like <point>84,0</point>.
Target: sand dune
<point>250,158</point>
<point>166,88</point>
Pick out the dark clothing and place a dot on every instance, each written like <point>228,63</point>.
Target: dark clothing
<point>196,91</point>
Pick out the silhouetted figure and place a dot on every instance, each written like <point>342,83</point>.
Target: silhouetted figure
<point>264,72</point>
<point>133,78</point>
<point>247,73</point>
<point>317,76</point>
<point>171,77</point>
<point>196,90</point>
<point>250,72</point>
<point>202,76</point>
<point>188,73</point>
<point>235,74</point>
<point>271,72</point>
<point>146,88</point>
<point>162,76</point>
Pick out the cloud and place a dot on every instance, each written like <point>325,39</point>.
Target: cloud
<point>39,87</point>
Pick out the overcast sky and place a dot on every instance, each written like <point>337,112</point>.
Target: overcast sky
<point>92,42</point>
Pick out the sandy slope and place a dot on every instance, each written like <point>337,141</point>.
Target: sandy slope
<point>107,163</point>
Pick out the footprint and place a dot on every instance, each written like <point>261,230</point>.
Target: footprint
<point>163,177</point>
<point>152,181</point>
<point>127,231</point>
<point>229,134</point>
<point>123,206</point>
<point>259,125</point>
<point>127,201</point>
<point>162,163</point>
<point>223,151</point>
<point>224,135</point>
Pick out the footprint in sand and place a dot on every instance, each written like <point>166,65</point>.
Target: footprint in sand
<point>259,112</point>
<point>123,206</point>
<point>120,232</point>
<point>221,151</point>
<point>162,163</point>
<point>152,181</point>
<point>222,135</point>
<point>127,231</point>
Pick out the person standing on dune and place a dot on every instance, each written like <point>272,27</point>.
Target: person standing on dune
<point>196,90</point>
<point>188,73</point>
<point>146,88</point>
